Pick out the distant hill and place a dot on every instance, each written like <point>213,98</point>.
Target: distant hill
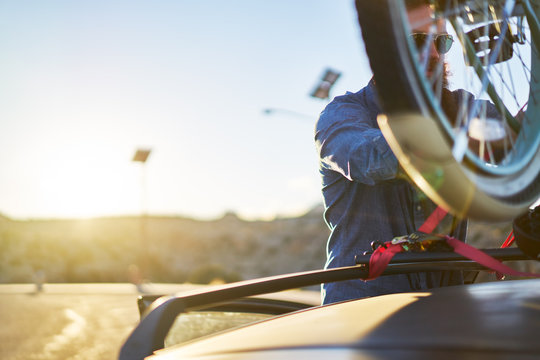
<point>173,249</point>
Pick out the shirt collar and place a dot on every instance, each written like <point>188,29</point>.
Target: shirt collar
<point>372,96</point>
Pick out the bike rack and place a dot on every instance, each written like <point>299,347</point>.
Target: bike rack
<point>158,318</point>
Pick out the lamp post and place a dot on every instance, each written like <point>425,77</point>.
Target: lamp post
<point>271,111</point>
<point>141,156</point>
<point>322,90</point>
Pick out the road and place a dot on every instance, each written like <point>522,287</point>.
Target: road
<point>68,321</point>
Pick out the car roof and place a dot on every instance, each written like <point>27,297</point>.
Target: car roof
<point>501,317</point>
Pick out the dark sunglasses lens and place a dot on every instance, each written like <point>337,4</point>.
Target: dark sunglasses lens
<point>444,43</point>
<point>419,40</point>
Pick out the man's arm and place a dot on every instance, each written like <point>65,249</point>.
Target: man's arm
<point>350,143</point>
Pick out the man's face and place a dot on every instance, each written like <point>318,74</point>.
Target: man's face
<point>421,21</point>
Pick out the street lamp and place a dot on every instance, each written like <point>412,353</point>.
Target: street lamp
<point>270,111</point>
<point>141,156</point>
<point>322,90</point>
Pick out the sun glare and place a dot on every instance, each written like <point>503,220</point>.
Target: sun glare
<point>87,181</point>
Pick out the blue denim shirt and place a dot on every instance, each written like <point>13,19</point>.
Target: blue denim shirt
<point>364,200</point>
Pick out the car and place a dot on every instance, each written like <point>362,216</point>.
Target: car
<point>492,320</point>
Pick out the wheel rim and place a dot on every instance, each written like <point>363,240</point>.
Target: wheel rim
<point>497,79</point>
<point>513,177</point>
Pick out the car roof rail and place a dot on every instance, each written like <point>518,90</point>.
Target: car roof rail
<point>150,333</point>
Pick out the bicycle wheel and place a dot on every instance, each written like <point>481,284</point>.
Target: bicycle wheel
<point>470,140</point>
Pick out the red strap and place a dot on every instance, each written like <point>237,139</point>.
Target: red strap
<point>509,240</point>
<point>433,220</point>
<point>484,259</point>
<point>381,257</point>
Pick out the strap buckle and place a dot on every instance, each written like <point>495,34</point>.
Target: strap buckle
<point>419,241</point>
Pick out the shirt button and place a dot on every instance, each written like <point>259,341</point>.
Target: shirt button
<point>418,208</point>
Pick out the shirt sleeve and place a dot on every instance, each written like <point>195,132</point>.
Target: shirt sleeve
<point>349,142</point>
<point>461,97</point>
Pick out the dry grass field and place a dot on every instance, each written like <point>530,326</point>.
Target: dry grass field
<point>172,249</point>
<point>165,249</point>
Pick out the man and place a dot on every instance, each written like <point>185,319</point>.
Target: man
<point>365,197</point>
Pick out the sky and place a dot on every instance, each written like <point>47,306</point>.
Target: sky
<point>84,84</point>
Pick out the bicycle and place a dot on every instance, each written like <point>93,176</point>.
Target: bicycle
<point>473,163</point>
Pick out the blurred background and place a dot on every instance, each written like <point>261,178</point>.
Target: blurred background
<point>167,140</point>
<point>154,142</point>
<point>124,123</point>
<point>218,91</point>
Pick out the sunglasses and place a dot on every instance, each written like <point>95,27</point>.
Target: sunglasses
<point>443,42</point>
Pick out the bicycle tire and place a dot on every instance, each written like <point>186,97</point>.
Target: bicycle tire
<point>436,153</point>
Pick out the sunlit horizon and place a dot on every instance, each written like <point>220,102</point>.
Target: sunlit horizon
<point>97,215</point>
<point>86,84</point>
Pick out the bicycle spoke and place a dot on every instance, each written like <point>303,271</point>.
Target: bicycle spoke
<point>486,113</point>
